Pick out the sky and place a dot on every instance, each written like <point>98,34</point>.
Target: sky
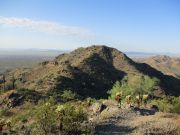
<point>128,25</point>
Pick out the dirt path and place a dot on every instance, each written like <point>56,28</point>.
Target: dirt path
<point>120,122</point>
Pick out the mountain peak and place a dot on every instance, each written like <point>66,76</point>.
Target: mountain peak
<point>162,57</point>
<point>89,71</point>
<point>106,53</point>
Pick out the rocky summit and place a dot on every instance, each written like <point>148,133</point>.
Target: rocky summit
<point>90,72</point>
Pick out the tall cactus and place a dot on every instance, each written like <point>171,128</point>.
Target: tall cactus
<point>13,82</point>
<point>4,81</point>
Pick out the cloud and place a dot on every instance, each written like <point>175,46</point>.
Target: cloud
<point>45,26</point>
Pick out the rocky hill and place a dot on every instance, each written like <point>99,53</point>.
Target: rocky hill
<point>88,71</point>
<point>167,65</point>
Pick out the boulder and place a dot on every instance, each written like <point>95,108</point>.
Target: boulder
<point>97,107</point>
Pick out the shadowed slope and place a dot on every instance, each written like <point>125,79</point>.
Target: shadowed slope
<point>89,71</point>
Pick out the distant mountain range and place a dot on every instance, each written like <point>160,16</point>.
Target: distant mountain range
<point>31,52</point>
<point>55,52</point>
<point>145,54</point>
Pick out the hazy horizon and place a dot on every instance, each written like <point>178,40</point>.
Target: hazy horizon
<point>55,52</point>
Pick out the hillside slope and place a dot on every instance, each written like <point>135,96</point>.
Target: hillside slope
<point>167,65</point>
<point>88,71</point>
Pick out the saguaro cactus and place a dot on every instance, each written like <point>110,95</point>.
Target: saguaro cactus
<point>13,82</point>
<point>4,81</point>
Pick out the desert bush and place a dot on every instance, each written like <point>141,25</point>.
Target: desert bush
<point>163,105</point>
<point>3,91</point>
<point>45,117</point>
<point>90,100</point>
<point>68,95</point>
<point>30,95</point>
<point>9,85</point>
<point>39,82</point>
<point>55,93</point>
<point>5,113</point>
<point>44,63</point>
<point>168,104</point>
<point>65,118</point>
<point>71,118</point>
<point>175,105</point>
<point>20,118</point>
<point>60,95</point>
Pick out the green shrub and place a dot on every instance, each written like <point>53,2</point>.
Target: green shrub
<point>178,130</point>
<point>133,85</point>
<point>163,105</point>
<point>60,119</point>
<point>71,118</point>
<point>168,104</point>
<point>175,105</point>
<point>5,113</point>
<point>44,63</point>
<point>3,91</point>
<point>9,85</point>
<point>115,89</point>
<point>22,118</point>
<point>68,95</point>
<point>30,95</point>
<point>45,117</point>
<point>90,100</point>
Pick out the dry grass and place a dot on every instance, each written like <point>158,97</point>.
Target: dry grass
<point>6,94</point>
<point>158,124</point>
<point>108,113</point>
<point>111,110</point>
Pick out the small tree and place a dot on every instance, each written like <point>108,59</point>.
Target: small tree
<point>134,85</point>
<point>150,84</point>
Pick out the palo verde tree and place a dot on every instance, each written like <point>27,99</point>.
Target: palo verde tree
<point>134,85</point>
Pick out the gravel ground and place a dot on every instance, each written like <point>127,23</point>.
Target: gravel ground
<point>118,121</point>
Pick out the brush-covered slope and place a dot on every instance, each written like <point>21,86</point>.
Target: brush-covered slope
<point>88,71</point>
<point>167,65</point>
